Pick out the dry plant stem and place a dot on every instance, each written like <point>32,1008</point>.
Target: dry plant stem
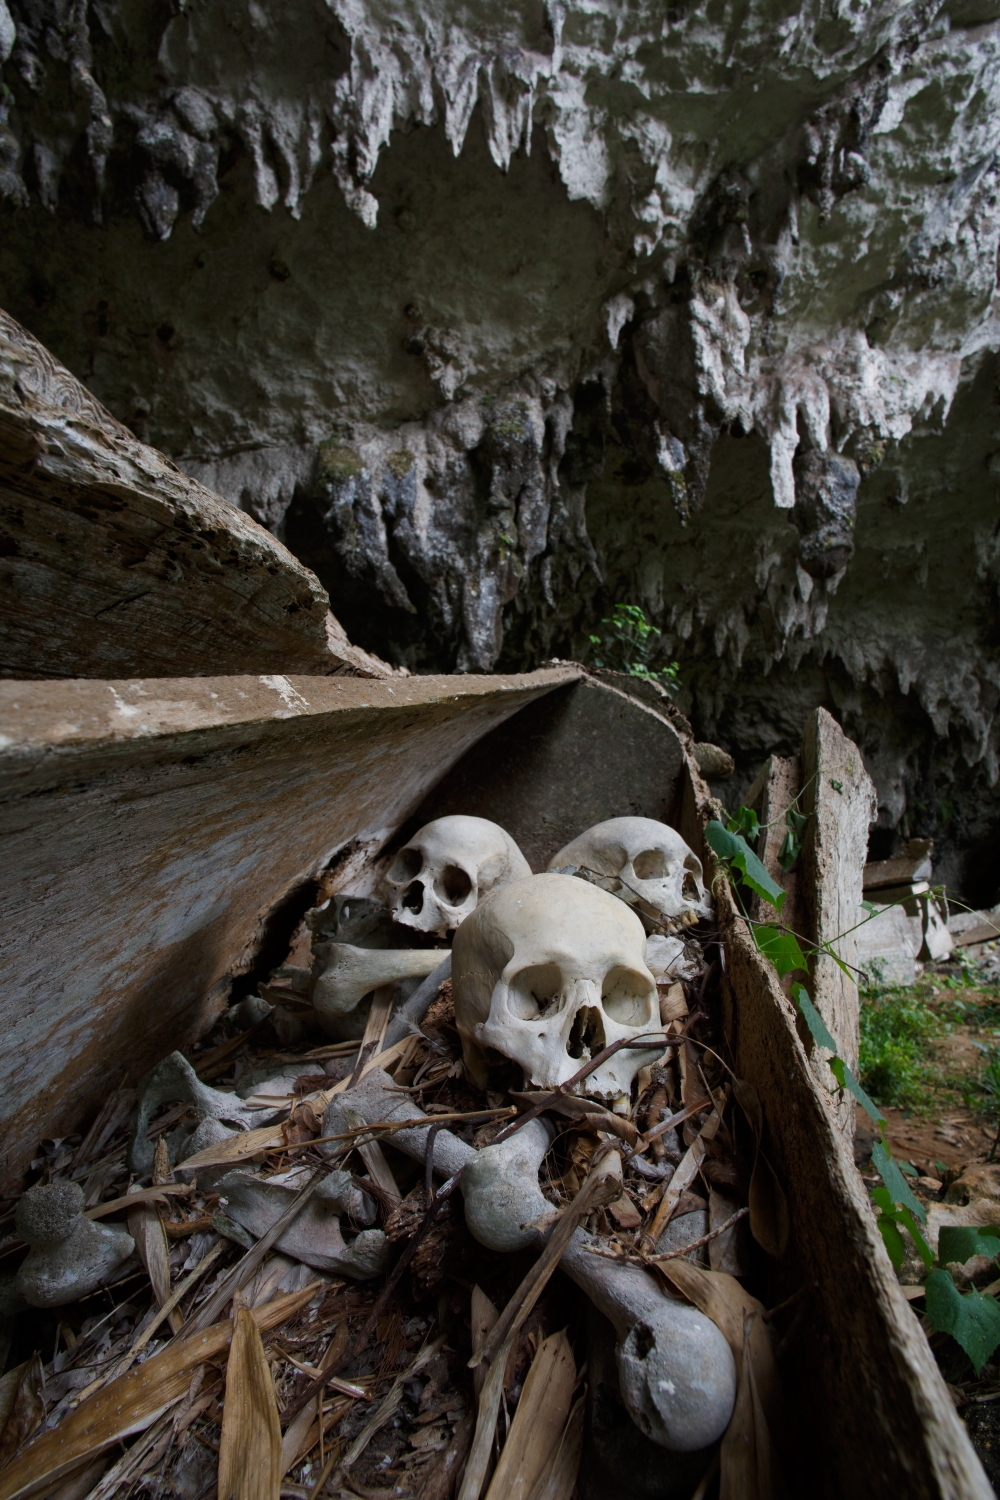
<point>389,1403</point>
<point>390,1127</point>
<point>581,1074</point>
<point>443,1193</point>
<point>209,1060</point>
<point>244,1268</point>
<point>684,1175</point>
<point>128,1405</point>
<point>179,1293</point>
<point>141,1195</point>
<point>378,1020</point>
<point>697,1244</point>
<point>486,1421</point>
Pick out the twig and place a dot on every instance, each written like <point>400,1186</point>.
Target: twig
<point>389,1127</point>
<point>697,1244</point>
<point>244,1268</point>
<point>443,1193</point>
<point>578,1077</point>
<point>177,1296</point>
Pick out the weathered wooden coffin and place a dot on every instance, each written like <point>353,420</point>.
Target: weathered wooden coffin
<point>162,837</point>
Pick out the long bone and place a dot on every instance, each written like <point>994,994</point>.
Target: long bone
<point>676,1371</point>
<point>174,1081</point>
<point>343,975</point>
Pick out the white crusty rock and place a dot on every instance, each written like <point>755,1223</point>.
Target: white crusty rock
<point>644,863</point>
<point>447,868</point>
<point>549,971</point>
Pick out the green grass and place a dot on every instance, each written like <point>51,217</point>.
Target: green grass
<point>896,1028</point>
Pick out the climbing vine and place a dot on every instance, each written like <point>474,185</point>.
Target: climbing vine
<point>970,1317</point>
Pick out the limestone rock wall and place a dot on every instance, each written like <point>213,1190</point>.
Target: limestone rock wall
<point>499,315</point>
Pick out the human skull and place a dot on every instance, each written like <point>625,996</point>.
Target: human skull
<point>645,864</point>
<point>549,971</point>
<point>439,877</point>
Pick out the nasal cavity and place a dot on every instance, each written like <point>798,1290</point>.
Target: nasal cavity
<point>650,865</point>
<point>413,896</point>
<point>586,1038</point>
<point>453,885</point>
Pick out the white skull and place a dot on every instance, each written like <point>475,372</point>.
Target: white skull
<point>644,863</point>
<point>447,868</point>
<point>550,971</point>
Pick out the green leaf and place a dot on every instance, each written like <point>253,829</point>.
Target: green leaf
<point>972,1319</point>
<point>893,1240</point>
<point>791,848</point>
<point>873,910</point>
<point>958,1243</point>
<point>732,847</point>
<point>744,823</point>
<point>847,1081</point>
<point>782,948</point>
<point>813,1019</point>
<point>907,1220</point>
<point>796,822</point>
<point>899,1189</point>
<point>838,786</point>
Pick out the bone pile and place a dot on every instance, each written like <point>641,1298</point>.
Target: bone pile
<point>466,1075</point>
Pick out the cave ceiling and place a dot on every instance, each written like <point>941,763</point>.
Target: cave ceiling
<point>500,315</point>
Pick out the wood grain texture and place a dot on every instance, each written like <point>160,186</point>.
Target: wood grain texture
<point>150,830</point>
<point>869,1411</point>
<point>114,563</point>
<point>839,795</point>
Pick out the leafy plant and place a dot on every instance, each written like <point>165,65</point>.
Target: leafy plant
<point>629,645</point>
<point>970,1318</point>
<point>895,1027</point>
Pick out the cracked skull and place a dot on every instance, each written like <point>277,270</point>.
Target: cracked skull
<point>645,864</point>
<point>549,971</point>
<point>447,868</point>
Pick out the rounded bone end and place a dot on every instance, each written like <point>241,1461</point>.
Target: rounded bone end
<point>48,1213</point>
<point>678,1380</point>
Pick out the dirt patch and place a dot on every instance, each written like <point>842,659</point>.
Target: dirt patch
<point>927,1145</point>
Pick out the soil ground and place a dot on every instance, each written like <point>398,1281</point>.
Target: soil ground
<point>930,1058</point>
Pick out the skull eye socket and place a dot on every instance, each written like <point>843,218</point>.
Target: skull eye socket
<point>691,886</point>
<point>532,991</point>
<point>453,885</point>
<point>650,865</point>
<point>627,997</point>
<point>408,862</point>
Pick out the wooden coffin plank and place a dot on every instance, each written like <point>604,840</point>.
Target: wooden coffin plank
<point>839,795</point>
<point>151,830</point>
<point>116,564</point>
<point>870,1413</point>
<point>580,755</point>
